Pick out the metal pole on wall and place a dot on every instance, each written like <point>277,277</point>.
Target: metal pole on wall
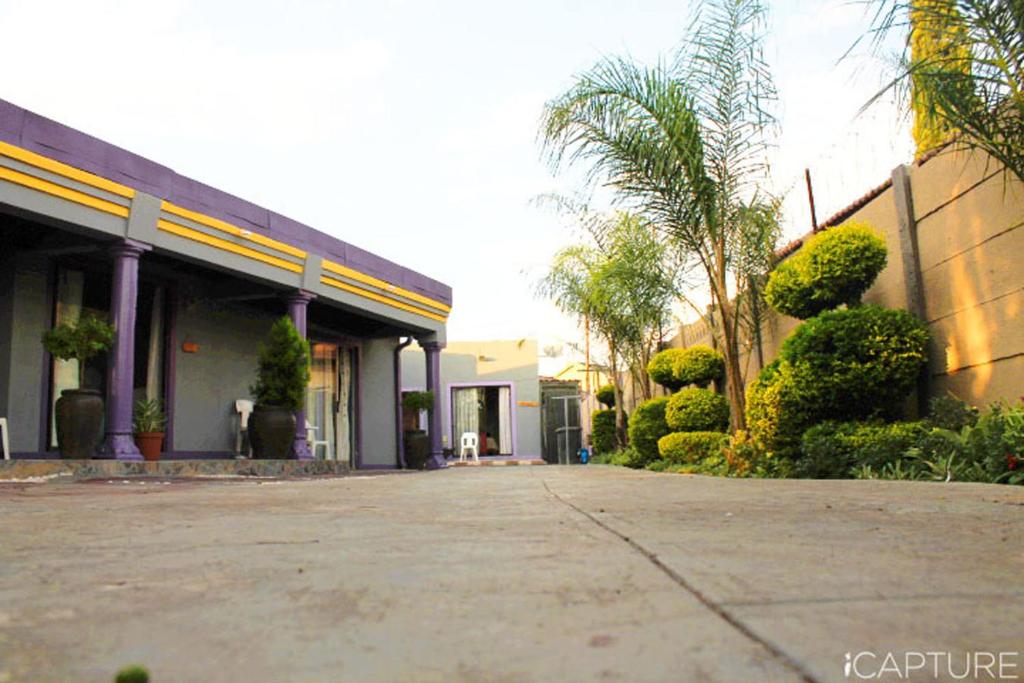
<point>586,346</point>
<point>810,198</point>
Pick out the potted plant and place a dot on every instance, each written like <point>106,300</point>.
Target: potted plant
<point>149,422</point>
<point>417,445</point>
<point>79,412</point>
<point>282,376</point>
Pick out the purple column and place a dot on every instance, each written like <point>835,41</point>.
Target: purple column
<point>432,351</point>
<point>121,365</point>
<point>297,303</point>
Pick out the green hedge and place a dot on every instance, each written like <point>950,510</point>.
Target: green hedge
<point>949,412</point>
<point>684,448</point>
<point>646,426</point>
<point>699,364</point>
<point>662,369</point>
<point>602,431</point>
<point>606,395</point>
<point>831,450</point>
<point>834,267</point>
<point>697,410</point>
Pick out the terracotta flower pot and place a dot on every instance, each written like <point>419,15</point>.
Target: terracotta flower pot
<point>272,432</point>
<point>79,417</point>
<point>150,444</point>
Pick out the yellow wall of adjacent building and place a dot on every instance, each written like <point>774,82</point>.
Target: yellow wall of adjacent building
<point>577,372</point>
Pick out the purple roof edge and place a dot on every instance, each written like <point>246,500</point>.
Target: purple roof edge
<point>54,140</point>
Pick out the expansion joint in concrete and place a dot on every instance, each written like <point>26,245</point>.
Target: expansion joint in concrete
<point>680,581</point>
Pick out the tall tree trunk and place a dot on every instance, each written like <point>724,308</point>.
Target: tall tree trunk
<point>645,380</point>
<point>620,415</point>
<point>754,292</point>
<point>730,340</point>
<point>733,374</point>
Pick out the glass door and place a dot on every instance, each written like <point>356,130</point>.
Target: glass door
<point>329,402</point>
<point>487,412</point>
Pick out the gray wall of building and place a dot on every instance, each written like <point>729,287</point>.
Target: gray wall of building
<point>7,266</point>
<point>462,368</point>
<point>24,317</point>
<point>208,383</point>
<point>377,403</point>
<point>528,417</point>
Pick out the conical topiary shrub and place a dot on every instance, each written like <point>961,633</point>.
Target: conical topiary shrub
<point>282,376</point>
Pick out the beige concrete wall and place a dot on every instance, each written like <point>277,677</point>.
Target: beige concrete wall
<point>970,233</point>
<point>971,244</point>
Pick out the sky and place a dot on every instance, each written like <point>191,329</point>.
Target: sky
<point>409,128</point>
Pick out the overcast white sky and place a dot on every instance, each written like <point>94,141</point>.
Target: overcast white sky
<point>409,127</point>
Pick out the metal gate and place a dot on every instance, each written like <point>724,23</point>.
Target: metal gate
<point>561,433</point>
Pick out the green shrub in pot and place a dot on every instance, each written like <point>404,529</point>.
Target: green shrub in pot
<point>282,378</point>
<point>79,412</point>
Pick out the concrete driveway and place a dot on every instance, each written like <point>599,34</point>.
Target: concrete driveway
<point>503,575</point>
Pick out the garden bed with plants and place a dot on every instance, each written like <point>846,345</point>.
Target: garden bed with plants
<point>831,405</point>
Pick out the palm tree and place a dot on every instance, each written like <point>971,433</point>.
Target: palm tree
<point>684,144</point>
<point>616,281</point>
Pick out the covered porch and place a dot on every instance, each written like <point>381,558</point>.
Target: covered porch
<point>191,279</point>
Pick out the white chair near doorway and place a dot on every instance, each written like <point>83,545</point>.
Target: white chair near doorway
<point>6,437</point>
<point>470,441</point>
<point>244,409</point>
<point>314,443</point>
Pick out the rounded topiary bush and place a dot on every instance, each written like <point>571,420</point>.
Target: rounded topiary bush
<point>606,395</point>
<point>834,267</point>
<point>856,363</point>
<point>686,448</point>
<point>602,431</point>
<point>697,410</point>
<point>851,364</point>
<point>776,415</point>
<point>646,426</point>
<point>698,365</point>
<point>662,369</point>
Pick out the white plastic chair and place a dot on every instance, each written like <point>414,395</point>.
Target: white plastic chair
<point>314,444</point>
<point>469,442</point>
<point>244,409</point>
<point>6,439</point>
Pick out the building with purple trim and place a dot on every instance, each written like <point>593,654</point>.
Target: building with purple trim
<point>192,278</point>
<point>490,388</point>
